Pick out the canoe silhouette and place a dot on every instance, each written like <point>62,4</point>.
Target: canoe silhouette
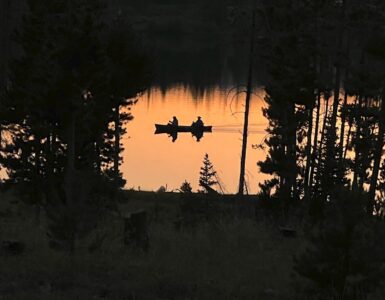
<point>160,128</point>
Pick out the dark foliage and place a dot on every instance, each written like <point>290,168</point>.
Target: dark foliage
<point>72,89</point>
<point>344,254</point>
<point>185,187</point>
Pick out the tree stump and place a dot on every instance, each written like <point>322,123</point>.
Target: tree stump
<point>136,231</point>
<point>12,248</point>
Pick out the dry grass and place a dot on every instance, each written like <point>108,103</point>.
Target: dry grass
<point>231,259</point>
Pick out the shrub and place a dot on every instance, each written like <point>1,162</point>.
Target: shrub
<point>344,253</point>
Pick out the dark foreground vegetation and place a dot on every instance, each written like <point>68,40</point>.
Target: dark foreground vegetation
<point>197,250</point>
<point>199,247</point>
<point>193,246</point>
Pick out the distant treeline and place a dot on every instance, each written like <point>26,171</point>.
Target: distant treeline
<point>197,43</point>
<point>200,43</point>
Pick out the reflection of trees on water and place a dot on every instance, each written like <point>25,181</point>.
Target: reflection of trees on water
<point>200,44</point>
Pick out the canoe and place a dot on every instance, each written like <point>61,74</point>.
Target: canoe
<point>171,128</point>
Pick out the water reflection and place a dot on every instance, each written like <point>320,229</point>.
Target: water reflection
<point>153,160</point>
<point>198,135</point>
<point>174,135</point>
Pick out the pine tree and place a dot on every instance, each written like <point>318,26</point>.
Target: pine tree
<point>207,175</point>
<point>65,97</point>
<point>128,77</point>
<point>290,89</point>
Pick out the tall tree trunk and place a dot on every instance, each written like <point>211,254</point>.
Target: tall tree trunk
<point>50,156</point>
<point>70,172</point>
<point>365,163</point>
<point>315,142</point>
<point>337,79</point>
<point>308,150</point>
<point>116,142</point>
<point>5,14</point>
<point>5,40</point>
<point>356,143</point>
<point>292,153</point>
<point>321,153</point>
<point>1,140</point>
<point>349,133</point>
<point>98,163</point>
<point>318,65</point>
<point>71,137</point>
<point>247,109</point>
<point>71,178</point>
<point>342,132</point>
<point>333,119</point>
<point>331,154</point>
<point>323,130</point>
<point>343,111</point>
<point>377,158</point>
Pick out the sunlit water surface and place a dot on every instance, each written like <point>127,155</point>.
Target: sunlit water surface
<point>151,161</point>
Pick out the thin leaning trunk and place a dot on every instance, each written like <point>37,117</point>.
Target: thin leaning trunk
<point>247,109</point>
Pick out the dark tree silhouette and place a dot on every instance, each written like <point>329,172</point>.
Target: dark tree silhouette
<point>61,106</point>
<point>343,254</point>
<point>315,53</point>
<point>185,187</point>
<point>129,75</point>
<point>290,95</point>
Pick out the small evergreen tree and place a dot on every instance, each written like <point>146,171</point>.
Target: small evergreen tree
<point>207,175</point>
<point>185,187</point>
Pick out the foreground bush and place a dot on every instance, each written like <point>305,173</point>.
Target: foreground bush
<point>344,256</point>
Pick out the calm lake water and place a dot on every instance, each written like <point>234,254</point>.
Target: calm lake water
<point>151,161</point>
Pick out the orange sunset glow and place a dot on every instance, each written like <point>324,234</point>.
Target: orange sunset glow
<point>150,161</point>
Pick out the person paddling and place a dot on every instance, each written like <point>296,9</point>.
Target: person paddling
<point>198,124</point>
<point>174,121</point>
